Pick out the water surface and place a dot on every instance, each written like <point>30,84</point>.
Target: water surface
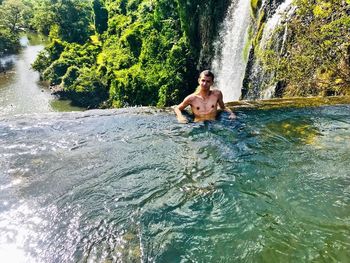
<point>133,185</point>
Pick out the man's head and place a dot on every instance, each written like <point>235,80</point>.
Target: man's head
<point>206,79</point>
<point>207,73</point>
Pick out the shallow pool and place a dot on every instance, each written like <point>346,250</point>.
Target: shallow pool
<point>133,185</point>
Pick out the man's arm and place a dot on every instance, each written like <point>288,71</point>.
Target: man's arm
<point>179,108</point>
<point>223,107</point>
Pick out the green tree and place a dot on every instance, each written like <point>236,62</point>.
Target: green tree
<point>100,16</point>
<point>72,19</point>
<point>151,59</point>
<point>11,15</point>
<point>12,19</point>
<point>50,54</point>
<point>9,42</point>
<point>85,85</point>
<point>43,16</point>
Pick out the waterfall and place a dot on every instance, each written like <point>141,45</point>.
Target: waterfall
<point>259,83</point>
<point>229,62</point>
<point>284,10</point>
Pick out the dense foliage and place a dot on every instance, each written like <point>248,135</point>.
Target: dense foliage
<point>315,58</point>
<point>128,53</point>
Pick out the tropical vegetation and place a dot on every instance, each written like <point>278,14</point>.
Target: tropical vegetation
<point>116,53</point>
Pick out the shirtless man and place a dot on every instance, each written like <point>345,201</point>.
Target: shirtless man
<point>203,101</point>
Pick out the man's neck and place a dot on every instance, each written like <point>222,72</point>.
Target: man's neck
<point>204,93</point>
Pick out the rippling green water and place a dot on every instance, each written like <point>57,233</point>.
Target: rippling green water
<point>136,186</point>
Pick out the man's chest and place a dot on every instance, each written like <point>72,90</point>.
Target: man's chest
<point>200,105</point>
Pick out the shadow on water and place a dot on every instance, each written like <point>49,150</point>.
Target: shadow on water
<point>133,185</point>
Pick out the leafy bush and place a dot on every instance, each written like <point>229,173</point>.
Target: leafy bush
<point>9,42</point>
<point>85,86</point>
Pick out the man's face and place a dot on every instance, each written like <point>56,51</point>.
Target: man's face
<point>205,82</point>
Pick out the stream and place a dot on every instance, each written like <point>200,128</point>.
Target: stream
<point>21,91</point>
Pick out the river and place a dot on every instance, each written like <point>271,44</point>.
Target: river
<point>133,185</point>
<point>20,88</point>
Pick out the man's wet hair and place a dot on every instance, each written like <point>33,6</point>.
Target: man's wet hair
<point>207,73</point>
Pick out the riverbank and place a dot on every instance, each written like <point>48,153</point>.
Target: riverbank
<point>21,90</point>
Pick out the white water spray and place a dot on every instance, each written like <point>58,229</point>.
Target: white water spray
<point>229,62</point>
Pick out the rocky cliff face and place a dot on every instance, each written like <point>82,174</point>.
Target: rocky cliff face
<point>201,21</point>
<point>299,48</point>
<point>257,82</point>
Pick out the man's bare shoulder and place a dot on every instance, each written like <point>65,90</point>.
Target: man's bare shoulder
<point>187,101</point>
<point>191,97</point>
<point>216,92</point>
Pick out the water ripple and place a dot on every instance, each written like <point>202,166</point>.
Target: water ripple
<point>134,186</point>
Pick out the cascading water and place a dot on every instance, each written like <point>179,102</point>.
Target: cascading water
<point>231,49</point>
<point>229,62</point>
<point>262,85</point>
<point>285,10</point>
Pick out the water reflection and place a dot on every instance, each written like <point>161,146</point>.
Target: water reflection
<point>133,185</point>
<point>19,223</point>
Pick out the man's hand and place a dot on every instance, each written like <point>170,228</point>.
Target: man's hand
<point>182,119</point>
<point>232,116</point>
